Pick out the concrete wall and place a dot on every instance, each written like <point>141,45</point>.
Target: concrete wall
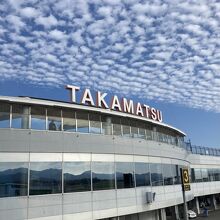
<point>99,204</point>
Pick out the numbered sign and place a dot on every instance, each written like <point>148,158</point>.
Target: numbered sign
<point>185,179</point>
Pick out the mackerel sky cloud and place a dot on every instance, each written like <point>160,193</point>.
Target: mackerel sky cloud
<point>167,51</point>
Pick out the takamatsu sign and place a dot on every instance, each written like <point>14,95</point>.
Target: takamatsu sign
<point>124,105</point>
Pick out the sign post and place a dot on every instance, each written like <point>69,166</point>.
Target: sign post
<point>185,187</point>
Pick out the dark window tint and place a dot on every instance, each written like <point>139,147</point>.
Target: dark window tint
<point>193,179</point>
<point>4,115</point>
<point>124,175</point>
<point>38,118</point>
<point>156,174</point>
<point>103,175</point>
<point>54,119</point>
<point>167,174</point>
<point>77,176</point>
<point>142,174</point>
<point>69,121</point>
<point>45,178</point>
<point>176,174</point>
<point>95,123</point>
<point>13,179</point>
<point>20,116</point>
<point>82,122</point>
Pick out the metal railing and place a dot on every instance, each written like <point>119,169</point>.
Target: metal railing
<point>202,150</point>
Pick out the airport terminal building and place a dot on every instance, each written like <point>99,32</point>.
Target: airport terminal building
<point>97,160</point>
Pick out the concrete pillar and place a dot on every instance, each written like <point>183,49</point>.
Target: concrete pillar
<point>177,216</point>
<point>154,133</point>
<point>108,125</point>
<point>163,214</point>
<point>197,205</point>
<point>25,117</point>
<point>213,202</point>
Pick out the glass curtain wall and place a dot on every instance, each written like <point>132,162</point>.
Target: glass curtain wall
<point>156,174</point>
<point>124,175</point>
<point>69,120</point>
<point>126,127</point>
<point>45,178</point>
<point>38,118</point>
<point>134,128</point>
<point>82,122</point>
<point>95,123</point>
<point>4,115</point>
<point>77,176</point>
<point>13,179</point>
<point>167,174</point>
<point>106,125</point>
<point>103,175</point>
<point>20,116</point>
<point>142,174</point>
<point>54,119</point>
<point>117,128</point>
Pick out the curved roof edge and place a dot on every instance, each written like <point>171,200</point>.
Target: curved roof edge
<point>56,103</point>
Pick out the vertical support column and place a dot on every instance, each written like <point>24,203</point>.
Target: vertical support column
<point>163,214</point>
<point>213,201</point>
<point>25,117</point>
<point>108,125</point>
<point>155,136</point>
<point>177,212</point>
<point>197,205</point>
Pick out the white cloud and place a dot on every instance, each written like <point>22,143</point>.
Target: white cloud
<point>57,35</point>
<point>167,51</point>
<point>47,22</point>
<point>29,12</point>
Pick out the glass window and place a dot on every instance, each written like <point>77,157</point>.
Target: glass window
<point>54,119</point>
<point>198,175</point>
<point>211,175</point>
<point>216,173</point>
<point>124,175</point>
<point>176,174</point>
<point>106,125</point>
<point>205,177</point>
<point>82,122</point>
<point>116,126</point>
<point>38,118</point>
<point>95,123</point>
<point>13,179</point>
<point>126,128</point>
<point>4,115</point>
<point>193,178</point>
<point>134,128</point>
<point>156,174</point>
<point>179,173</point>
<point>69,120</point>
<point>45,178</point>
<point>149,135</point>
<point>103,175</point>
<point>77,176</point>
<point>20,116</point>
<point>167,174</point>
<point>142,130</point>
<point>142,174</point>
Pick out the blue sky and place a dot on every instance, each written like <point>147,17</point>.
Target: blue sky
<point>164,53</point>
